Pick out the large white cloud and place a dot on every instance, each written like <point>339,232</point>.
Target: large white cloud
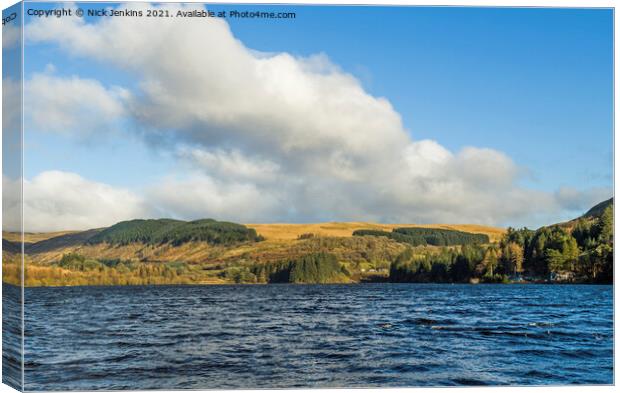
<point>203,196</point>
<point>274,137</point>
<point>54,201</point>
<point>72,104</point>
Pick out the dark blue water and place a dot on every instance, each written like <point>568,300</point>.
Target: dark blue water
<point>371,335</point>
<point>11,336</point>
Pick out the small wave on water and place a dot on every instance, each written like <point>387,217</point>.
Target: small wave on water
<point>380,335</point>
<point>542,324</point>
<point>429,321</point>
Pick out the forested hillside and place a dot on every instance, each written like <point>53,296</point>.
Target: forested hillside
<point>174,232</point>
<point>598,210</point>
<point>580,252</point>
<point>427,236</point>
<point>315,268</point>
<point>166,251</point>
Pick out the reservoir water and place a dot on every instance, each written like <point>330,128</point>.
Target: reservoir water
<point>276,336</point>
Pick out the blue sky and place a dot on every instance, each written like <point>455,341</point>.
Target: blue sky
<point>518,80</point>
<point>532,83</point>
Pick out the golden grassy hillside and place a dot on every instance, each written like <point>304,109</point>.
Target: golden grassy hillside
<point>203,263</point>
<point>280,238</point>
<point>33,237</point>
<point>345,229</point>
<point>279,231</point>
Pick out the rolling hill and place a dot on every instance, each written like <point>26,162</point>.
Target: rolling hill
<point>209,251</point>
<point>280,231</point>
<point>163,233</point>
<point>167,251</point>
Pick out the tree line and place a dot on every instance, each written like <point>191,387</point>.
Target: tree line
<point>175,232</point>
<point>582,252</point>
<point>313,268</point>
<point>76,269</point>
<point>427,236</point>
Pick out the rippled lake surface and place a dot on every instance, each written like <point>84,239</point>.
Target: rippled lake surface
<point>275,336</point>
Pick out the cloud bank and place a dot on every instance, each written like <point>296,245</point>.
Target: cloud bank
<point>65,104</point>
<point>55,200</point>
<point>275,137</point>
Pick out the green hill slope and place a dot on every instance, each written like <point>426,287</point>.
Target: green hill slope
<point>599,209</point>
<point>175,232</point>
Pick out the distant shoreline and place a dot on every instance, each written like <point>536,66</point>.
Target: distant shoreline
<point>209,252</point>
<point>307,284</point>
